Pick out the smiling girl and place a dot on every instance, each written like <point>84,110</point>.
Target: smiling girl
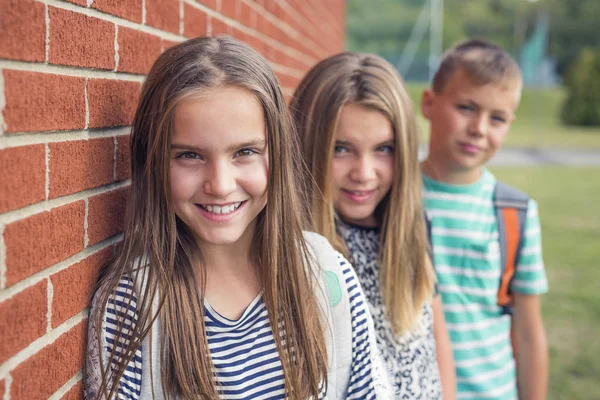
<point>359,137</point>
<point>216,292</point>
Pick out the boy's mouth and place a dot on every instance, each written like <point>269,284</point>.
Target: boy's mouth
<point>470,148</point>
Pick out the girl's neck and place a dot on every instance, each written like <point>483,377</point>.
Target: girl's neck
<point>232,279</point>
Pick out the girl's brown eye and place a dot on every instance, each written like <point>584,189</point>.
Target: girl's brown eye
<point>189,155</point>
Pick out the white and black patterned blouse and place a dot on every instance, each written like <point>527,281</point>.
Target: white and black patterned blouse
<point>411,359</point>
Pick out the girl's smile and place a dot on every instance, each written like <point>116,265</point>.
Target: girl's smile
<point>357,196</point>
<point>222,213</point>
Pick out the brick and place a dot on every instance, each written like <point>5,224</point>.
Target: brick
<point>286,81</point>
<point>137,50</point>
<point>165,44</point>
<point>105,215</point>
<point>79,165</point>
<point>238,34</point>
<point>23,319</point>
<point>195,22</point>
<point>75,393</point>
<point>219,27</point>
<point>208,3</point>
<point>48,370</point>
<point>112,103</point>
<point>73,287</point>
<point>163,14</point>
<point>19,165</point>
<point>2,388</point>
<point>22,30</point>
<point>231,9</point>
<point>128,9</point>
<point>39,241</point>
<point>247,15</point>
<point>123,158</point>
<point>43,102</point>
<point>78,2</point>
<point>81,41</point>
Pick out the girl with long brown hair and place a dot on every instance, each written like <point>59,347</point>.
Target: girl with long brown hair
<point>216,291</point>
<point>359,137</point>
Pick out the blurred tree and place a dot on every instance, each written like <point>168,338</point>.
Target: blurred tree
<point>582,106</point>
<point>384,26</point>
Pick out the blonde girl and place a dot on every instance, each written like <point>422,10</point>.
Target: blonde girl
<point>359,138</point>
<point>215,291</point>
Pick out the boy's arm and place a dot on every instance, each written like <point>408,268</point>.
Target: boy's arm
<point>443,347</point>
<point>529,337</point>
<point>531,347</point>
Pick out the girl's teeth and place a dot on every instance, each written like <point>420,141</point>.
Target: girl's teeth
<point>222,210</point>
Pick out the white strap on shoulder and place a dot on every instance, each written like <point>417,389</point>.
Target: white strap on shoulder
<point>335,306</point>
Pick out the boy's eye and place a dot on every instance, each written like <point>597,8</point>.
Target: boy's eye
<point>499,119</point>
<point>388,149</point>
<point>464,107</point>
<point>245,152</point>
<point>340,149</point>
<point>189,155</point>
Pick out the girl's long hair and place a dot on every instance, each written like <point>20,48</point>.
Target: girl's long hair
<point>161,257</point>
<point>406,274</point>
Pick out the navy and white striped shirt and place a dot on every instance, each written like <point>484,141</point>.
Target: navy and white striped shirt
<point>243,351</point>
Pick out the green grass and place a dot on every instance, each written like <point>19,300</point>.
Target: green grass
<point>537,124</point>
<point>568,200</point>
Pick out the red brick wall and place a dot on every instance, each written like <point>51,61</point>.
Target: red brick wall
<point>70,76</point>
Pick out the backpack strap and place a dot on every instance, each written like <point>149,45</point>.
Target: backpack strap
<point>510,205</point>
<point>334,303</point>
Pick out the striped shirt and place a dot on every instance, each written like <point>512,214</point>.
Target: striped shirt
<point>246,361</point>
<point>466,249</point>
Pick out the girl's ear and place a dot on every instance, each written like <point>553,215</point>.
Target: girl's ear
<point>427,102</point>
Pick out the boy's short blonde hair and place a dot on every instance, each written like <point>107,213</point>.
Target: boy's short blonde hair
<point>482,61</point>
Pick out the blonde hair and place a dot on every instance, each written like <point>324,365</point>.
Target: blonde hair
<point>406,275</point>
<point>154,233</point>
<point>483,62</point>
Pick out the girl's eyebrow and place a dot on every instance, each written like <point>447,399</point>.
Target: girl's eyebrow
<point>259,143</point>
<point>346,143</point>
<point>177,146</point>
<point>385,142</point>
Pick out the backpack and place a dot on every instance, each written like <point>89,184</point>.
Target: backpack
<point>510,206</point>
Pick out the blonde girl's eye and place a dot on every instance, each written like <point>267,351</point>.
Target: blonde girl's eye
<point>387,149</point>
<point>340,149</point>
<point>246,152</point>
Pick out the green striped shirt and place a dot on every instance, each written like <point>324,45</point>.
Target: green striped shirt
<point>467,261</point>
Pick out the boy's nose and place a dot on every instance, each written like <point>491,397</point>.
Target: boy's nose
<point>220,180</point>
<point>478,126</point>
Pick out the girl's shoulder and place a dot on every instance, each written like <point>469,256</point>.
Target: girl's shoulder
<point>322,252</point>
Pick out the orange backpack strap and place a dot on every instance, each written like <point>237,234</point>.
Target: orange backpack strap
<point>511,214</point>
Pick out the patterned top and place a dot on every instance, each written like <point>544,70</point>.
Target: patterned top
<point>243,351</point>
<point>467,261</point>
<point>410,359</point>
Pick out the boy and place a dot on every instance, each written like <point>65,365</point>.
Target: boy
<point>471,106</point>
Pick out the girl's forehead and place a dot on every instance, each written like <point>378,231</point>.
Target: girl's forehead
<point>218,117</point>
<point>363,125</point>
